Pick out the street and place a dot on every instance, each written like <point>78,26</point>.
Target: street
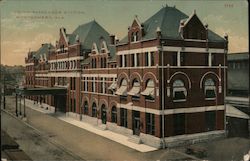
<point>48,138</point>
<point>78,142</point>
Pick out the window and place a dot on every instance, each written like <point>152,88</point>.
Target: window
<point>121,60</point>
<point>179,91</point>
<point>93,84</point>
<point>210,117</point>
<point>149,91</point>
<point>210,92</point>
<point>114,115</point>
<point>146,59</point>
<point>123,116</point>
<point>86,84</point>
<point>137,59</point>
<point>94,110</point>
<point>150,123</point>
<point>137,36</point>
<point>179,124</point>
<point>134,92</point>
<point>207,56</point>
<point>213,59</point>
<point>85,108</point>
<point>102,85</point>
<point>152,59</point>
<point>125,61</point>
<point>182,59</point>
<point>104,62</point>
<point>174,59</point>
<point>133,37</point>
<point>133,60</point>
<point>101,63</point>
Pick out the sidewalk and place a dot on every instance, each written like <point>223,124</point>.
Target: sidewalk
<point>124,140</point>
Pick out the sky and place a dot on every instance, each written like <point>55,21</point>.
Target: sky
<point>26,24</point>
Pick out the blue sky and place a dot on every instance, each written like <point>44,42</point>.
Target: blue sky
<point>21,33</point>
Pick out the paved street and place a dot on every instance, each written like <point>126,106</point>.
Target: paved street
<point>37,146</point>
<point>79,142</point>
<point>87,145</point>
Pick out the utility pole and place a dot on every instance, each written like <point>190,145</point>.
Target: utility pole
<point>16,105</point>
<point>4,87</point>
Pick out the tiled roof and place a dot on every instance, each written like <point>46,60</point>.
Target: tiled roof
<point>44,49</point>
<point>91,32</point>
<point>112,51</point>
<point>168,20</point>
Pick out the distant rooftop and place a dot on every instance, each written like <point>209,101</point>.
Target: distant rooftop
<point>238,56</point>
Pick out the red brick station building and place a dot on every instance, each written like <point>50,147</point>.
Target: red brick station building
<point>162,84</point>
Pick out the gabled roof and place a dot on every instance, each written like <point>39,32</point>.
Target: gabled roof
<point>89,33</point>
<point>168,20</point>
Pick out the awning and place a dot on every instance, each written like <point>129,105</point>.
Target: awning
<point>149,91</point>
<point>180,89</point>
<point>41,91</point>
<point>122,91</point>
<point>112,86</point>
<point>134,91</point>
<point>231,111</point>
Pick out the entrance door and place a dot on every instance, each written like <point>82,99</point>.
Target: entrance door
<point>104,114</point>
<point>60,103</point>
<point>136,122</point>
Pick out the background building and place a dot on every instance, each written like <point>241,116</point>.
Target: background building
<point>238,110</point>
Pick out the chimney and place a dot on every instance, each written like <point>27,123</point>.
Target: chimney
<point>116,40</point>
<point>112,39</point>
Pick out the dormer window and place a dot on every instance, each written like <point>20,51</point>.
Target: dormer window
<point>94,48</point>
<point>104,48</point>
<point>134,36</point>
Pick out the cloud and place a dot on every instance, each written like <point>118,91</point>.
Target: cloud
<point>236,43</point>
<point>14,52</point>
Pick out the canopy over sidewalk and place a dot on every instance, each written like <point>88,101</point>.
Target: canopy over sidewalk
<point>41,91</point>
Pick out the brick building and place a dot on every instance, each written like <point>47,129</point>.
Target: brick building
<point>162,85</point>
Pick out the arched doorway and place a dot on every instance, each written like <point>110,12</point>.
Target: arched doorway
<point>85,108</point>
<point>104,114</point>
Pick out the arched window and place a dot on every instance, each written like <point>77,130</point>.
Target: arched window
<point>94,110</point>
<point>85,108</point>
<point>114,115</point>
<point>134,92</point>
<point>149,92</point>
<point>122,91</point>
<point>179,91</point>
<point>210,89</point>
